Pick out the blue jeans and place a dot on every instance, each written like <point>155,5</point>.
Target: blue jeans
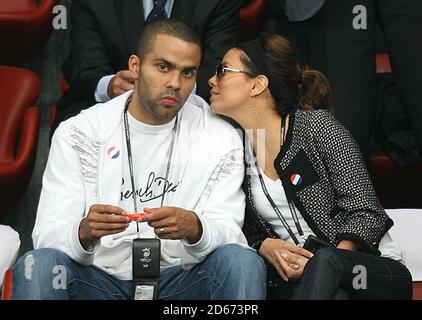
<point>336,274</point>
<point>230,272</point>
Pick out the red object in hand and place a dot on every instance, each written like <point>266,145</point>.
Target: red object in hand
<point>135,216</point>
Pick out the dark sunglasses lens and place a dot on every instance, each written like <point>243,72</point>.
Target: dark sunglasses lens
<point>220,71</point>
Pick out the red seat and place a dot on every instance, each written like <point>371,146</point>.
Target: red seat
<point>6,292</point>
<point>396,187</point>
<point>24,27</point>
<point>20,121</point>
<point>251,15</point>
<point>383,63</point>
<point>417,290</point>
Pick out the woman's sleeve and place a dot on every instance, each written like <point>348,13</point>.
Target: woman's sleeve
<point>365,220</point>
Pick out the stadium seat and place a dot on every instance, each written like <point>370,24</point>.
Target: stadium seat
<point>25,26</point>
<point>9,251</point>
<point>417,290</point>
<point>20,121</point>
<point>251,15</point>
<point>383,63</point>
<point>6,292</point>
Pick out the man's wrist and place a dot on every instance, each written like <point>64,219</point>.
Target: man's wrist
<point>84,241</point>
<point>109,93</point>
<point>197,230</point>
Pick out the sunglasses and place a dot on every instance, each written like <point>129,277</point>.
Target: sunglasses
<point>221,70</point>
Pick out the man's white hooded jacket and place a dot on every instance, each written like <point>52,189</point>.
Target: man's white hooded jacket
<point>207,159</point>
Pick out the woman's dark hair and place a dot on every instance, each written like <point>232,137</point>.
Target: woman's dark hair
<point>307,89</point>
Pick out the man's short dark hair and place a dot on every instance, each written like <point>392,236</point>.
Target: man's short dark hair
<point>170,27</point>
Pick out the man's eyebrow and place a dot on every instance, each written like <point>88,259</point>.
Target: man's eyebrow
<point>173,66</point>
<point>190,68</point>
<point>162,60</point>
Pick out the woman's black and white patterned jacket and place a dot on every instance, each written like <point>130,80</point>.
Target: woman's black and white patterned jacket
<point>336,198</point>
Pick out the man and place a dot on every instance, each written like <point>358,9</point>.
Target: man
<point>105,34</point>
<point>143,152</point>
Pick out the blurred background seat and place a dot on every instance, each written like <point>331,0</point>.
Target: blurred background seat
<point>20,120</point>
<point>6,291</point>
<point>397,186</point>
<point>25,26</point>
<point>383,63</point>
<point>9,250</point>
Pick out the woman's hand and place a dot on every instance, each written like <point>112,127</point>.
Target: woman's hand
<point>288,259</point>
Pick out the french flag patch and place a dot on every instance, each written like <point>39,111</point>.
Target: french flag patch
<point>113,153</point>
<point>296,179</point>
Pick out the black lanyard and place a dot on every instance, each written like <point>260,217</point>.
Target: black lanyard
<point>271,201</point>
<point>129,154</point>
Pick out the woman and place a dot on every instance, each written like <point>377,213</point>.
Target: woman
<point>308,178</point>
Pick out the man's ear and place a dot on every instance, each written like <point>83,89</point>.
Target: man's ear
<point>259,86</point>
<point>134,65</point>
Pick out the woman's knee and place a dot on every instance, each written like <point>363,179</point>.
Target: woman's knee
<point>326,257</point>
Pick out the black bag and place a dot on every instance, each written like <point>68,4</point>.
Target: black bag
<point>313,244</point>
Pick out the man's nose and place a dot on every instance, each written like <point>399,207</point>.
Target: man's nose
<point>174,81</point>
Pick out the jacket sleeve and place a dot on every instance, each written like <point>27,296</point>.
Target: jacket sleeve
<point>62,202</point>
<point>365,220</point>
<point>220,209</point>
<point>222,33</point>
<point>88,60</point>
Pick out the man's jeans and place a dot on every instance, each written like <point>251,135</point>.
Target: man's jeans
<point>230,272</point>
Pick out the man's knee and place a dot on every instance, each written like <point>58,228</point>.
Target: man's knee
<point>240,259</point>
<point>41,260</point>
<point>39,272</point>
<point>242,272</point>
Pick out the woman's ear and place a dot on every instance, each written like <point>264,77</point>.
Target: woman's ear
<point>134,65</point>
<point>259,86</point>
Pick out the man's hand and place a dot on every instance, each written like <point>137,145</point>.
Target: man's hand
<point>102,220</point>
<point>120,83</point>
<point>174,223</point>
<point>288,259</point>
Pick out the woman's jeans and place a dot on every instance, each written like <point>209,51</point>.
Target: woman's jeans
<point>230,272</point>
<point>343,274</point>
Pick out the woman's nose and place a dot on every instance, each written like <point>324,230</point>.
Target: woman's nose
<point>212,81</point>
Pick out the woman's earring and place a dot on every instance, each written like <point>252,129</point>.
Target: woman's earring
<point>254,109</point>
